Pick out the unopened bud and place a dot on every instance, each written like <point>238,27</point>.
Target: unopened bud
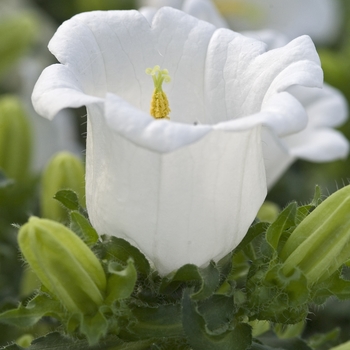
<point>63,171</point>
<point>321,243</point>
<point>17,33</point>
<point>15,139</point>
<point>64,264</point>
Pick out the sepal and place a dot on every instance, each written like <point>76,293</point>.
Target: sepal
<point>121,281</point>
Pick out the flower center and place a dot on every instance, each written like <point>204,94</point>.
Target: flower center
<point>159,103</point>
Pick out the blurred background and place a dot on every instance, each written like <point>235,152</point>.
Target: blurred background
<point>28,141</point>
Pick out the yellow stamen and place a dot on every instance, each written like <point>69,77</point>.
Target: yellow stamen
<point>159,103</point>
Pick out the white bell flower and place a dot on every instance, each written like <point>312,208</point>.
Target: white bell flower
<point>183,190</point>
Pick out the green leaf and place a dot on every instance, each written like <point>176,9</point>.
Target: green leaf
<point>258,346</point>
<point>199,337</point>
<point>82,227</point>
<point>93,327</point>
<point>68,198</point>
<point>55,341</point>
<point>335,285</point>
<point>205,279</point>
<point>275,297</point>
<point>318,340</point>
<point>284,221</point>
<point>118,249</point>
<point>156,322</point>
<point>5,181</point>
<point>218,311</point>
<point>254,231</point>
<point>121,282</point>
<point>26,316</point>
<point>285,344</point>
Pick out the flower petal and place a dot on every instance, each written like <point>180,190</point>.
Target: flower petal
<point>320,145</point>
<point>251,75</point>
<point>140,128</point>
<point>186,206</point>
<point>283,114</point>
<point>58,88</point>
<point>325,107</point>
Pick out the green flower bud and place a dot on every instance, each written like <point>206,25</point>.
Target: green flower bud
<point>17,33</point>
<point>63,171</point>
<point>64,264</point>
<point>344,346</point>
<point>268,212</point>
<point>321,243</point>
<point>15,139</point>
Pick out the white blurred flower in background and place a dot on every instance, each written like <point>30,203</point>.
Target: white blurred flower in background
<point>326,108</point>
<point>321,19</point>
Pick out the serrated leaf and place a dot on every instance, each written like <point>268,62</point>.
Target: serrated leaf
<point>121,281</point>
<point>82,227</point>
<point>318,340</point>
<point>118,249</point>
<point>284,221</point>
<point>218,311</point>
<point>258,346</point>
<point>11,347</point>
<point>93,327</point>
<point>253,232</point>
<point>156,322</point>
<point>335,285</point>
<point>26,316</point>
<point>199,338</point>
<point>205,279</point>
<point>68,198</point>
<point>285,344</point>
<point>55,341</point>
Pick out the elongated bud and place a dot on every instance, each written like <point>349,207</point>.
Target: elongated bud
<point>321,243</point>
<point>15,139</point>
<point>64,264</point>
<point>17,33</point>
<point>63,171</point>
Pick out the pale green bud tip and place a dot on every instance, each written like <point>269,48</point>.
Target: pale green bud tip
<point>25,340</point>
<point>268,212</point>
<point>63,171</point>
<point>15,138</point>
<point>64,264</point>
<point>321,243</point>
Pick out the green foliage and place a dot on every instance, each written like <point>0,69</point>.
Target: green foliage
<point>192,308</point>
